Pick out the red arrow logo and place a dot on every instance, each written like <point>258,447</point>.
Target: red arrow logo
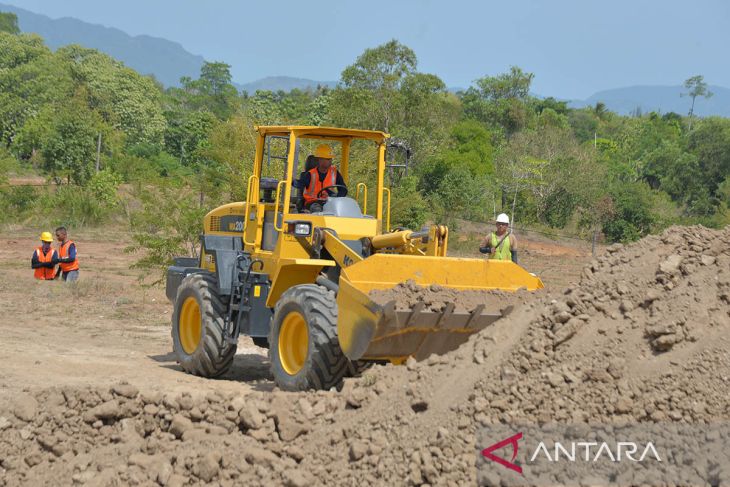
<point>512,440</point>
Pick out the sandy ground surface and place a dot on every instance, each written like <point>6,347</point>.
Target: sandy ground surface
<point>110,327</point>
<point>107,328</point>
<point>90,393</point>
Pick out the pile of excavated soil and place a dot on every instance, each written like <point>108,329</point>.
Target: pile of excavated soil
<point>642,337</point>
<point>407,295</point>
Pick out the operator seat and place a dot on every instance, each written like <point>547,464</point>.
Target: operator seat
<point>309,164</point>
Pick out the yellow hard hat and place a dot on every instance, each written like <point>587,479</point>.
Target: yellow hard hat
<point>324,151</point>
<point>46,237</point>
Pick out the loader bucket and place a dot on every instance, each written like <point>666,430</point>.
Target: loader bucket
<point>368,330</point>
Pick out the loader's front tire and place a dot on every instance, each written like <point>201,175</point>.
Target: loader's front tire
<point>304,351</point>
<point>197,328</point>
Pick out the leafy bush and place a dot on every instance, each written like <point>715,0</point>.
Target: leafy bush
<point>17,202</point>
<point>408,207</point>
<point>103,186</point>
<point>78,207</point>
<point>131,168</point>
<point>168,225</point>
<point>560,206</point>
<point>632,218</point>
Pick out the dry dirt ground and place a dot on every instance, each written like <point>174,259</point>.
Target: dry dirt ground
<point>105,329</point>
<point>110,328</point>
<point>90,393</point>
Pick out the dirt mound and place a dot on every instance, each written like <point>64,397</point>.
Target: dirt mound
<point>103,436</point>
<point>408,294</point>
<point>642,337</point>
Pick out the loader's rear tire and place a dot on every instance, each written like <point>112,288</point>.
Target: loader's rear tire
<point>304,351</point>
<point>197,328</point>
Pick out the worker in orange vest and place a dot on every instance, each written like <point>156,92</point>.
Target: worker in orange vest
<point>68,262</point>
<point>44,259</point>
<point>319,177</point>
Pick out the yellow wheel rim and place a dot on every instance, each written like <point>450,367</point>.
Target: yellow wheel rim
<point>190,325</point>
<point>293,342</point>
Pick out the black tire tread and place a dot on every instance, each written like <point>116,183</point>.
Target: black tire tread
<point>355,368</point>
<point>327,364</point>
<point>215,356</point>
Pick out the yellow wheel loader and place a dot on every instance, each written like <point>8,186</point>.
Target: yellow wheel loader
<point>297,280</point>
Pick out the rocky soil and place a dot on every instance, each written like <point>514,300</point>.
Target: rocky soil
<point>408,294</point>
<point>643,336</point>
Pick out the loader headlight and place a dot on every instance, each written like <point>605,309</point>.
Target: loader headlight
<point>299,229</point>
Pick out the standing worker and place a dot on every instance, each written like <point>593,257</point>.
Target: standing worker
<point>68,261</point>
<point>44,259</point>
<point>500,245</point>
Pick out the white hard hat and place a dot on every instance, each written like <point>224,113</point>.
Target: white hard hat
<point>503,218</point>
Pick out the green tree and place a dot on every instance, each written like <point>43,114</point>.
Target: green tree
<point>370,94</point>
<point>632,212</point>
<point>678,173</point>
<point>383,90</point>
<point>215,80</point>
<point>212,91</point>
<point>515,84</point>
<point>30,78</point>
<point>188,135</point>
<point>469,147</point>
<point>710,143</point>
<point>584,124</point>
<point>318,111</point>
<point>9,23</point>
<point>126,100</point>
<point>69,147</point>
<point>409,209</point>
<point>695,86</point>
<point>501,102</point>
<point>231,148</point>
<point>542,163</point>
<point>264,108</point>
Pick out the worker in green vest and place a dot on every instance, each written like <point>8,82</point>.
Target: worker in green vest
<point>500,245</point>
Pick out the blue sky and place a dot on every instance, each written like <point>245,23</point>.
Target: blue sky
<point>574,47</point>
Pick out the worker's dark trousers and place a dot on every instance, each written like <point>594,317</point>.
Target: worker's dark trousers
<point>70,276</point>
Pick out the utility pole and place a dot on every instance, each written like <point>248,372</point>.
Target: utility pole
<point>98,151</point>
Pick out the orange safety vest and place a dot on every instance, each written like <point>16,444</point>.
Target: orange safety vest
<point>63,253</point>
<point>315,185</point>
<point>44,273</point>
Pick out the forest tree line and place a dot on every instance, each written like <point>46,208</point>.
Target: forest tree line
<point>490,148</point>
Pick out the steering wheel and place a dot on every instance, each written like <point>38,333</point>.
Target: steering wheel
<point>319,195</point>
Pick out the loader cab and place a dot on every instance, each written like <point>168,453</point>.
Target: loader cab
<point>274,196</point>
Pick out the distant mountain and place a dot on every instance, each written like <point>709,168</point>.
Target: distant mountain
<point>166,60</point>
<point>284,83</point>
<point>661,99</point>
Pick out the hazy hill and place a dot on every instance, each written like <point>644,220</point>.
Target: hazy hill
<point>166,60</point>
<point>285,83</point>
<point>659,99</point>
